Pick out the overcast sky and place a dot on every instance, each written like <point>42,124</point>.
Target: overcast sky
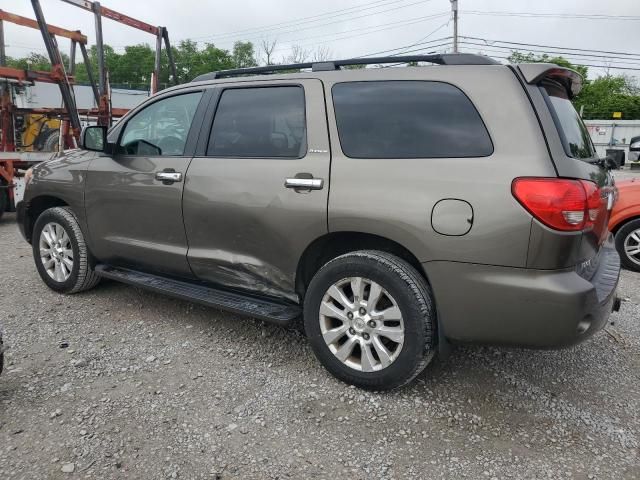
<point>356,28</point>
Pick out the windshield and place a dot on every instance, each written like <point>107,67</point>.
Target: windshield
<point>575,136</point>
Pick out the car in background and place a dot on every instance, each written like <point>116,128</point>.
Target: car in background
<point>634,149</point>
<point>625,223</point>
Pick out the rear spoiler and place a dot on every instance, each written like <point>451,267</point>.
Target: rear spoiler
<point>535,73</point>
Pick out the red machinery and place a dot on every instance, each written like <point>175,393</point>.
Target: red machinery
<point>64,78</point>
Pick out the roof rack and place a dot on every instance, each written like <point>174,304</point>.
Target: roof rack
<point>440,59</point>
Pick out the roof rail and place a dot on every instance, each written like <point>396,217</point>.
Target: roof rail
<point>440,59</point>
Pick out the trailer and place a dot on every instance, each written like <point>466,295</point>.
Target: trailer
<point>13,164</point>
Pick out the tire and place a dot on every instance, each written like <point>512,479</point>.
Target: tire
<point>402,287</point>
<point>49,141</point>
<point>629,235</point>
<point>80,275</point>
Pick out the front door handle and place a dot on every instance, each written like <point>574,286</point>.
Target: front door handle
<point>304,183</point>
<point>169,176</point>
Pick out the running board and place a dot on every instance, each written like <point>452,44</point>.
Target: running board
<point>271,311</point>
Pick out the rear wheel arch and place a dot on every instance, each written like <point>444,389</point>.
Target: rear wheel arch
<point>623,222</point>
<point>332,245</point>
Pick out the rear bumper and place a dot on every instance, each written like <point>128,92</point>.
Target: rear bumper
<point>523,307</point>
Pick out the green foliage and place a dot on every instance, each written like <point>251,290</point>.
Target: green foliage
<point>34,61</point>
<point>518,57</point>
<point>243,55</point>
<point>599,98</point>
<point>132,69</point>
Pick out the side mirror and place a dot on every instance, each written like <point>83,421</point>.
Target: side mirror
<point>94,138</point>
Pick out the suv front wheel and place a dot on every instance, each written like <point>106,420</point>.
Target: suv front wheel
<point>61,253</point>
<point>371,320</point>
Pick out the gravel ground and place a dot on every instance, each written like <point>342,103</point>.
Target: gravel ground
<point>123,383</point>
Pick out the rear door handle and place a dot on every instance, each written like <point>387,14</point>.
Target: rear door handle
<point>169,176</point>
<point>304,183</point>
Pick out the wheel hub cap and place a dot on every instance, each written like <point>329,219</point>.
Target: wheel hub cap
<point>632,246</point>
<point>361,324</point>
<point>56,253</point>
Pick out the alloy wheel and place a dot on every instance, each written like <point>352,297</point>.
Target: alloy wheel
<point>632,246</point>
<point>361,324</point>
<point>56,253</point>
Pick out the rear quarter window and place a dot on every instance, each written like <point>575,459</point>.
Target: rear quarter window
<point>574,135</point>
<point>408,119</point>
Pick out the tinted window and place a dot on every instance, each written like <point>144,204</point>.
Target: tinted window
<point>161,128</point>
<point>408,119</point>
<point>574,134</point>
<point>259,122</point>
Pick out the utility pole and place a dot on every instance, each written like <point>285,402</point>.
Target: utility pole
<point>454,9</point>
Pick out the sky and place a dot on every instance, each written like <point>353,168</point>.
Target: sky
<point>351,28</point>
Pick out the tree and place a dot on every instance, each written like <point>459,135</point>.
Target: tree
<point>243,55</point>
<point>298,55</point>
<point>268,46</point>
<point>598,98</point>
<point>34,61</point>
<point>518,57</point>
<point>321,54</point>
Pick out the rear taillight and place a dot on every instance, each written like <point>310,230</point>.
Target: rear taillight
<point>562,204</point>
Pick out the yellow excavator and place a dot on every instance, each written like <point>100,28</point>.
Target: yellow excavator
<point>37,132</point>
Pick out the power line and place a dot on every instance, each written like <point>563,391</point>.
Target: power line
<point>605,67</point>
<point>356,8</point>
<point>259,34</point>
<point>368,31</point>
<point>401,48</point>
<point>489,42</point>
<point>589,57</point>
<point>555,15</point>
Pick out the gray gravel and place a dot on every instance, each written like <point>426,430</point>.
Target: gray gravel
<point>150,387</point>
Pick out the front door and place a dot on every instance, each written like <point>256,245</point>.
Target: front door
<point>256,192</point>
<point>134,197</point>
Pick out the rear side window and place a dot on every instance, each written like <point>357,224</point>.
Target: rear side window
<point>259,122</point>
<point>408,119</point>
<point>573,133</point>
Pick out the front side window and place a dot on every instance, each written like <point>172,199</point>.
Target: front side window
<point>408,119</point>
<point>259,122</point>
<point>574,134</point>
<point>161,129</point>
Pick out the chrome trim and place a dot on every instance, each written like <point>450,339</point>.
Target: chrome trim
<point>169,176</point>
<point>306,183</point>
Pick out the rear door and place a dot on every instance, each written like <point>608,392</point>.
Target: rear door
<point>256,193</point>
<point>133,197</point>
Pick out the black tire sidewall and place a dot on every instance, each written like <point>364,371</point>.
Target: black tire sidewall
<point>416,342</point>
<point>621,236</point>
<point>46,217</point>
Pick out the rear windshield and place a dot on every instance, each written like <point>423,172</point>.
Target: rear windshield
<point>575,136</point>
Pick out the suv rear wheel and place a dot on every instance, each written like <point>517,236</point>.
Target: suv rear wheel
<point>371,320</point>
<point>61,253</point>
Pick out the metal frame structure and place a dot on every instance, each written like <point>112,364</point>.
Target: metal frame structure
<point>12,164</point>
<point>161,34</point>
<point>57,75</point>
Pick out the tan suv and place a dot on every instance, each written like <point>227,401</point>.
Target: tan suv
<point>394,209</point>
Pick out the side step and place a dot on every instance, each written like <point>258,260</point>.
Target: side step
<point>271,311</point>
